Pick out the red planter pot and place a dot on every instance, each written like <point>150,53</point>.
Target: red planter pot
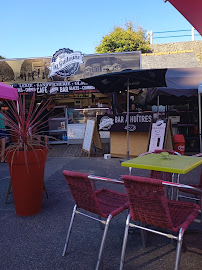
<point>27,180</point>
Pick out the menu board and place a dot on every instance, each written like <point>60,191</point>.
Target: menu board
<point>88,135</point>
<point>158,133</point>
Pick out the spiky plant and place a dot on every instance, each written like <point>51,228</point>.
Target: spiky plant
<point>23,126</point>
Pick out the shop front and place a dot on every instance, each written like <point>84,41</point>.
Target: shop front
<point>67,125</point>
<point>75,102</point>
<point>139,129</point>
<point>60,77</point>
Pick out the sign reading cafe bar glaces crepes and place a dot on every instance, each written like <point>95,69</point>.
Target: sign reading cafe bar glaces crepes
<point>61,87</point>
<point>64,63</point>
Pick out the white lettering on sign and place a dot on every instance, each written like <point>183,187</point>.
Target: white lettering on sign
<point>73,87</point>
<point>64,89</point>
<point>119,119</point>
<point>140,118</point>
<point>42,90</point>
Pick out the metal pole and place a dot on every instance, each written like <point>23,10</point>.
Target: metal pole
<point>127,118</point>
<point>151,37</point>
<point>192,33</point>
<point>158,102</point>
<point>148,36</point>
<point>199,119</point>
<point>17,104</point>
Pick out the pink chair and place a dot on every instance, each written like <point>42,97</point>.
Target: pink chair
<point>149,205</point>
<point>197,197</point>
<point>157,174</point>
<point>163,175</point>
<point>105,203</point>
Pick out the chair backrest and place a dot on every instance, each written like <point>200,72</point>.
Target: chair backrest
<point>200,181</point>
<point>147,200</point>
<point>82,191</point>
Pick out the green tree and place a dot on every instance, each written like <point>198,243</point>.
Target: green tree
<point>124,40</point>
<point>1,57</point>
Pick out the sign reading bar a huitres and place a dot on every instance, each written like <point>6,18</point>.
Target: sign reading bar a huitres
<point>138,122</point>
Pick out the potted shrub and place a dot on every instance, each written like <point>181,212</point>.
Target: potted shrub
<point>26,157</point>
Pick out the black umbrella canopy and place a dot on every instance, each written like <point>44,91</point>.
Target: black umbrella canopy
<point>125,80</point>
<point>169,96</point>
<point>118,81</point>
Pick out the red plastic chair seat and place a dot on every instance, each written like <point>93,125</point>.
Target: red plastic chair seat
<point>149,205</point>
<point>182,214</point>
<point>111,202</point>
<point>106,203</point>
<point>163,175</point>
<point>199,185</point>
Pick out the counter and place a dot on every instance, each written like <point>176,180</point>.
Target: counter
<point>139,127</point>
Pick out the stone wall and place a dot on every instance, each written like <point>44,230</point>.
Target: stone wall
<point>169,60</point>
<point>179,47</point>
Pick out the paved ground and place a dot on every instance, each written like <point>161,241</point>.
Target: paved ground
<point>37,242</point>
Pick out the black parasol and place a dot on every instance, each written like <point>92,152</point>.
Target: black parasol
<point>119,81</point>
<point>126,80</point>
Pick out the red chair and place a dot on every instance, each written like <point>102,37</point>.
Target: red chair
<point>157,174</point>
<point>149,205</point>
<point>163,175</point>
<point>197,197</point>
<point>105,203</point>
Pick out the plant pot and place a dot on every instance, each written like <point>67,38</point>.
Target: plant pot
<point>27,180</point>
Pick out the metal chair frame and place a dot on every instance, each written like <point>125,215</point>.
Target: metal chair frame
<point>104,222</point>
<point>179,238</point>
<point>197,197</point>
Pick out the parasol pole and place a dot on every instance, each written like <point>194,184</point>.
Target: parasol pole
<point>127,118</point>
<point>158,104</point>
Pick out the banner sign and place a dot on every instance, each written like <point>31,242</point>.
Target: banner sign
<point>55,87</point>
<point>65,63</point>
<point>138,122</point>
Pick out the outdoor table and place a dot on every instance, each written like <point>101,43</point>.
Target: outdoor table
<point>175,164</point>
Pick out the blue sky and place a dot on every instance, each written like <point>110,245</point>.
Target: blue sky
<point>41,27</point>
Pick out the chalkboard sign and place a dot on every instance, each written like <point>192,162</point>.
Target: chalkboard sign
<point>88,135</point>
<point>160,135</point>
<point>91,135</point>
